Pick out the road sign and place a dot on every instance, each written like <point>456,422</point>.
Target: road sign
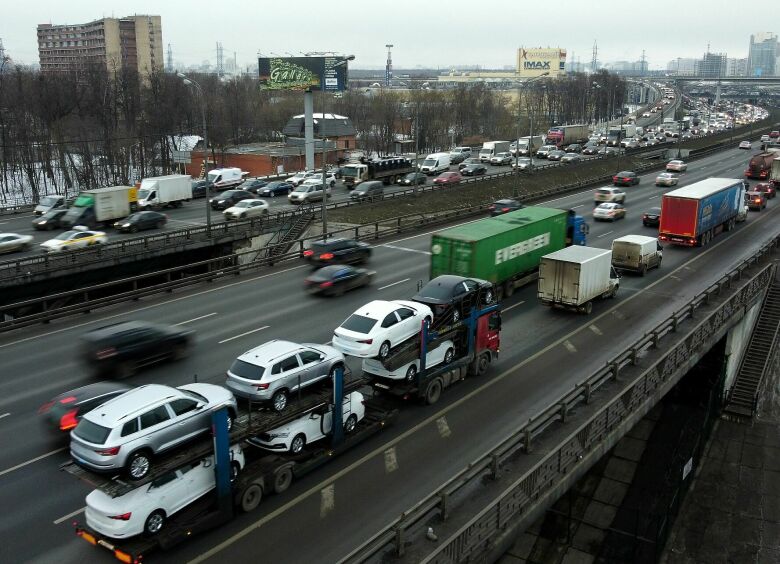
<point>181,157</point>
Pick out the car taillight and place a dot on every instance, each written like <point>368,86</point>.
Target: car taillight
<point>262,386</point>
<point>122,517</point>
<point>366,341</point>
<point>615,179</point>
<point>326,256</point>
<point>308,253</point>
<point>758,200</point>
<point>45,407</point>
<point>504,210</point>
<point>113,451</point>
<point>626,179</point>
<point>68,421</point>
<point>106,353</point>
<point>327,284</point>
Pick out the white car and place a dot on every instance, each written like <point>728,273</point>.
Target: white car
<point>145,509</point>
<point>609,194</point>
<point>609,212</point>
<point>246,209</point>
<point>666,179</point>
<point>764,138</point>
<point>299,177</point>
<point>311,427</point>
<point>443,354</point>
<point>77,238</point>
<point>745,145</point>
<point>316,180</point>
<point>676,166</point>
<point>10,242</point>
<point>646,114</point>
<point>378,326</point>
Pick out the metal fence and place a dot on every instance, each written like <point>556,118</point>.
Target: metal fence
<point>476,536</point>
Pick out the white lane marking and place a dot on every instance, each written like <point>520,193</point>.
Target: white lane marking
<point>675,278</point>
<point>394,283</point>
<point>36,459</point>
<point>604,234</point>
<point>327,500</point>
<point>575,207</point>
<point>4,415</point>
<point>596,330</point>
<point>569,346</point>
<point>443,426</point>
<point>197,318</point>
<point>69,515</point>
<point>391,460</point>
<point>513,306</point>
<point>406,249</point>
<point>389,448</point>
<point>653,197</point>
<point>244,334</point>
<point>136,310</point>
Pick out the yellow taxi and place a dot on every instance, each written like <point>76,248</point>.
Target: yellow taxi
<point>77,238</point>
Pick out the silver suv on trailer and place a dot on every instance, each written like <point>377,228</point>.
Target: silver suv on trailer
<point>273,370</point>
<point>128,431</point>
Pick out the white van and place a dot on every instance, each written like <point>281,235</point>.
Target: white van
<point>222,178</point>
<point>637,253</point>
<point>435,163</point>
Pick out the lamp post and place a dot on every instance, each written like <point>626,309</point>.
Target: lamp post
<point>340,63</point>
<point>190,82</point>
<point>521,86</point>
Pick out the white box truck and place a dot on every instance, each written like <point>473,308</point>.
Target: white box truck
<point>164,191</point>
<point>575,276</point>
<point>222,178</point>
<point>435,163</point>
<point>637,253</point>
<point>491,149</point>
<point>522,145</point>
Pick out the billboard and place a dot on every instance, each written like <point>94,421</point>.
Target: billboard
<point>533,62</point>
<point>302,73</point>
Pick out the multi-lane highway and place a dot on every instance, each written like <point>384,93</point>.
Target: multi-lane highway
<point>427,445</point>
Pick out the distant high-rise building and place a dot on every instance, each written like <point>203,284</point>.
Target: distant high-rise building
<point>134,42</point>
<point>762,54</point>
<point>681,66</point>
<point>736,67</point>
<point>712,65</point>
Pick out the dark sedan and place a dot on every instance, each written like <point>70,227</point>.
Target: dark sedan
<point>500,207</point>
<point>413,178</point>
<point>625,178</point>
<point>139,221</point>
<point>50,220</point>
<point>555,155</point>
<point>276,188</point>
<point>590,150</point>
<point>253,185</point>
<point>337,251</point>
<point>229,198</point>
<point>199,188</point>
<point>468,162</point>
<point>336,279</point>
<point>456,294</point>
<point>473,170</point>
<point>652,217</point>
<point>573,148</point>
<point>64,412</point>
<point>120,349</point>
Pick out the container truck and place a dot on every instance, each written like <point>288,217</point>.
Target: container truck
<point>164,191</point>
<point>505,249</point>
<point>264,473</point>
<point>637,253</point>
<point>101,206</point>
<point>526,146</point>
<point>693,215</point>
<point>573,277</point>
<point>567,134</point>
<point>491,149</point>
<point>760,165</point>
<point>388,170</point>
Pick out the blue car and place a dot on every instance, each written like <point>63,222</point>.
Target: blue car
<point>276,188</point>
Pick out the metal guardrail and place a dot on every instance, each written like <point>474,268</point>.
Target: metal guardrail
<point>478,532</point>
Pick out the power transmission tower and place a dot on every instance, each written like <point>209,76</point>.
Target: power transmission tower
<point>594,58</point>
<point>643,65</point>
<point>220,60</point>
<point>389,65</point>
<point>170,58</point>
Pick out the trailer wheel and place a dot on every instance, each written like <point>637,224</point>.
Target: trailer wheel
<point>509,288</point>
<point>251,497</point>
<point>282,480</point>
<point>433,391</point>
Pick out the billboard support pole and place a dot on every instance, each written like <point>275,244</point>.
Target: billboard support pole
<point>308,127</point>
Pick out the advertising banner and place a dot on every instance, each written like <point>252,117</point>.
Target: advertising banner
<point>302,73</point>
<point>534,62</point>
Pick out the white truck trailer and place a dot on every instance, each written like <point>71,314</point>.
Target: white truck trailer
<point>575,276</point>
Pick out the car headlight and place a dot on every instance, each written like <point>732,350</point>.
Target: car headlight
<point>125,225</point>
<point>42,222</point>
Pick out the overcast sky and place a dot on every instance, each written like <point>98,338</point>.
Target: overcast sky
<point>431,34</point>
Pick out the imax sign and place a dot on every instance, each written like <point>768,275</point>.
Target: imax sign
<point>536,65</point>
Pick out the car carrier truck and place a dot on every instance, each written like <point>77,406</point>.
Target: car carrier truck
<point>505,249</point>
<point>693,215</point>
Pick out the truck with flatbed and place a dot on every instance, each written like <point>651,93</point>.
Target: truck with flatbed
<point>505,249</point>
<point>575,276</point>
<point>264,472</point>
<point>101,206</point>
<point>693,215</point>
<point>567,134</point>
<point>164,191</point>
<point>389,170</point>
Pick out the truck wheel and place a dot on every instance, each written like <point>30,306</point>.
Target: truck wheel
<point>586,308</point>
<point>483,362</point>
<point>509,288</point>
<point>433,391</point>
<point>282,480</point>
<point>251,497</point>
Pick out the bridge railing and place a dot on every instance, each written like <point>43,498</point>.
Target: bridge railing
<point>476,534</point>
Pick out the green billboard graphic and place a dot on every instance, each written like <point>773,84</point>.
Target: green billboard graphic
<point>302,73</point>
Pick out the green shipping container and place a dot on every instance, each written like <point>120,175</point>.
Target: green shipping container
<point>499,248</point>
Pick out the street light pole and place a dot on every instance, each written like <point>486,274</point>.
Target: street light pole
<point>190,82</point>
